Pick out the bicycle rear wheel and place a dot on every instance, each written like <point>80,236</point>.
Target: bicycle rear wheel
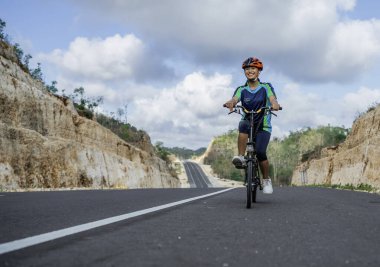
<point>249,180</point>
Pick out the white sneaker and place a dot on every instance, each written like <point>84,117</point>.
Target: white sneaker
<point>239,161</point>
<point>268,189</point>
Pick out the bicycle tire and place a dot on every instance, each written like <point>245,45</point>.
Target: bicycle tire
<point>254,193</point>
<point>256,182</point>
<point>249,180</point>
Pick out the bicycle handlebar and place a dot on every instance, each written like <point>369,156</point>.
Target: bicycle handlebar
<point>235,110</point>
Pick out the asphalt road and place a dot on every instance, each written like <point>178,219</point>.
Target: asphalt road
<point>295,226</point>
<point>196,176</point>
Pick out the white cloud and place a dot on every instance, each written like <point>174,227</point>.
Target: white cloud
<point>115,95</point>
<point>357,102</point>
<point>346,5</point>
<point>191,111</point>
<point>119,68</point>
<point>306,40</point>
<point>115,58</point>
<point>112,58</point>
<point>303,109</point>
<point>353,47</point>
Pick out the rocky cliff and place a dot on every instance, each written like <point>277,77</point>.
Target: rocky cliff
<point>356,161</point>
<point>44,143</point>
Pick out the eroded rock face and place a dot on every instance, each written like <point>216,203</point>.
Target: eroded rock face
<point>356,161</point>
<point>44,143</point>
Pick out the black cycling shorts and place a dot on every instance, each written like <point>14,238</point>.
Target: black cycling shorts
<point>262,139</point>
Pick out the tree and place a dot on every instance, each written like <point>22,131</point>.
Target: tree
<point>37,73</point>
<point>2,27</point>
<point>52,88</point>
<point>26,59</point>
<point>85,105</point>
<point>120,113</point>
<point>125,113</point>
<point>18,51</point>
<point>161,151</point>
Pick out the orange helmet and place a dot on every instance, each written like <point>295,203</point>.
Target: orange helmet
<point>253,62</point>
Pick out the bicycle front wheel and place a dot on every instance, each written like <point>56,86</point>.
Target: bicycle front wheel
<point>256,184</point>
<point>254,193</point>
<point>249,180</point>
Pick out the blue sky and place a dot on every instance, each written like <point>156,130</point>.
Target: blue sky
<point>175,62</point>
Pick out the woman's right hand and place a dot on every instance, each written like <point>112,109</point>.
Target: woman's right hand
<point>230,104</point>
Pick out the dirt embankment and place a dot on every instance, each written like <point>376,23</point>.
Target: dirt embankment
<point>44,143</point>
<point>356,161</point>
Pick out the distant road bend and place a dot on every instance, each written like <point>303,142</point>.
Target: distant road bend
<point>197,178</point>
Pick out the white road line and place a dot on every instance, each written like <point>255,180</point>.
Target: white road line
<point>38,239</point>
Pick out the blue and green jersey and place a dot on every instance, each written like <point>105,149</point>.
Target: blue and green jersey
<point>254,99</point>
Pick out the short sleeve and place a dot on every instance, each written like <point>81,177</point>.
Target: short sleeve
<point>237,93</point>
<point>270,90</point>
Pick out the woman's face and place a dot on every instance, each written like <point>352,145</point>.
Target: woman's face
<point>252,73</point>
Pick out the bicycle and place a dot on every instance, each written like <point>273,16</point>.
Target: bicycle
<point>251,168</point>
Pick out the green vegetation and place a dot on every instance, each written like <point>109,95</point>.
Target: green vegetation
<point>164,153</point>
<point>22,60</point>
<point>117,123</point>
<point>2,27</point>
<point>224,147</point>
<point>181,153</point>
<point>161,151</point>
<point>185,153</point>
<point>301,145</point>
<point>124,130</point>
<point>37,73</point>
<point>371,107</point>
<point>359,187</point>
<point>83,104</point>
<point>284,154</point>
<point>52,88</point>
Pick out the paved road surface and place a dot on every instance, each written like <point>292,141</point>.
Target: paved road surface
<point>196,176</point>
<point>295,226</point>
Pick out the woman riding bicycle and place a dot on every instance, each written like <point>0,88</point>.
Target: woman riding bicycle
<point>254,95</point>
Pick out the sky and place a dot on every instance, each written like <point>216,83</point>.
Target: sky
<point>174,63</point>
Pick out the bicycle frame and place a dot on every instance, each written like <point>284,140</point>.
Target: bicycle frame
<point>252,178</point>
